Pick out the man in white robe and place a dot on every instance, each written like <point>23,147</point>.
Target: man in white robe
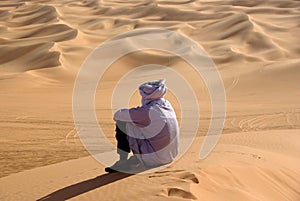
<point>149,131</point>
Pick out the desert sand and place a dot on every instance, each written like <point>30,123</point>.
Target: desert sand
<point>255,47</point>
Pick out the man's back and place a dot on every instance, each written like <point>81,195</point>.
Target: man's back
<point>155,142</point>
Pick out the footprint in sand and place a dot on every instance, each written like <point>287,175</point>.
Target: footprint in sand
<point>181,190</point>
<point>189,177</point>
<point>177,192</point>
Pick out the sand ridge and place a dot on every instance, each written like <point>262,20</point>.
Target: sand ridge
<point>235,170</point>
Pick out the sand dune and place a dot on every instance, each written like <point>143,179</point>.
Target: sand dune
<point>244,166</point>
<point>255,46</point>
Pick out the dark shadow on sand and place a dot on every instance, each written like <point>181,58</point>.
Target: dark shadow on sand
<point>84,186</point>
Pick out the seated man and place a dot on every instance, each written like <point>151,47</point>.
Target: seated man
<point>150,131</point>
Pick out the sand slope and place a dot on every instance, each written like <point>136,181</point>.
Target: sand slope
<point>255,46</point>
<point>236,170</point>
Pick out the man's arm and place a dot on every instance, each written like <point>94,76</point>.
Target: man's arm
<point>138,115</point>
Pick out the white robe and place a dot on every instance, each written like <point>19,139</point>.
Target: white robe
<point>153,131</point>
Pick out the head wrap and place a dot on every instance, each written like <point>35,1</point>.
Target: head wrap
<point>152,90</point>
